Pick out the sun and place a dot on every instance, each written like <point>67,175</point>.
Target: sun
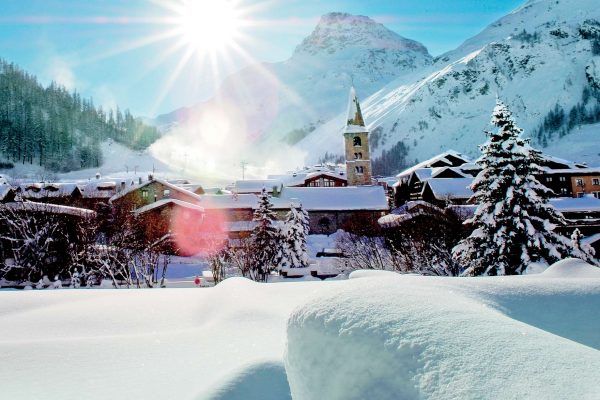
<point>208,26</point>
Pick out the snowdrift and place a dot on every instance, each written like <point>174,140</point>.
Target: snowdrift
<point>414,337</point>
<point>377,335</point>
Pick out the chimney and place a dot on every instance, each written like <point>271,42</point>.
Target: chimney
<point>150,177</point>
<point>140,180</point>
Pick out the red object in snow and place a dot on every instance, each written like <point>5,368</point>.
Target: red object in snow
<point>197,280</point>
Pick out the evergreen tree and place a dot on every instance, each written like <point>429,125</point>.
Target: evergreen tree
<point>582,250</point>
<point>265,238</point>
<point>293,252</point>
<point>513,224</point>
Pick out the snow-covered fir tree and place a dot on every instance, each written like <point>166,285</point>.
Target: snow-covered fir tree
<point>293,252</point>
<point>513,225</point>
<point>265,238</point>
<point>582,250</point>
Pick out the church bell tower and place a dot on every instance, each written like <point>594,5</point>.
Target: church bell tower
<point>356,139</point>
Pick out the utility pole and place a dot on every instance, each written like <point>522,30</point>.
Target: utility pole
<point>243,164</point>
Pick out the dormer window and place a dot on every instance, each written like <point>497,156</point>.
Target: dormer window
<point>357,141</point>
<point>144,194</point>
<point>166,193</point>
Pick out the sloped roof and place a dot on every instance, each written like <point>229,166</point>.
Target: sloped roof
<point>256,185</point>
<point>572,204</point>
<point>433,160</point>
<point>155,180</point>
<point>165,202</point>
<point>41,190</point>
<point>355,122</point>
<point>5,189</point>
<point>229,201</point>
<point>450,188</point>
<point>49,208</point>
<point>368,198</point>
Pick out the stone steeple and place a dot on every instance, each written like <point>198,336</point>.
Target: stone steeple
<point>356,143</point>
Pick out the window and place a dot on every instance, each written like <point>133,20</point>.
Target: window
<point>356,156</point>
<point>579,182</point>
<point>166,193</point>
<point>548,179</point>
<point>596,195</point>
<point>144,194</point>
<point>324,224</point>
<point>580,194</point>
<point>360,156</point>
<point>357,141</point>
<point>562,178</point>
<point>563,190</point>
<point>360,170</point>
<point>596,181</point>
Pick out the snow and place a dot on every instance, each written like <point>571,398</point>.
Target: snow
<point>164,202</point>
<point>335,198</point>
<point>378,335</point>
<point>385,336</point>
<point>50,208</point>
<point>572,268</point>
<point>256,185</point>
<point>573,204</point>
<point>450,188</point>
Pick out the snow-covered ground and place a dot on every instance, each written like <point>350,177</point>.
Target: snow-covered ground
<point>378,335</point>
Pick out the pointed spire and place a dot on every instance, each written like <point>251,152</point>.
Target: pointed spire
<point>355,117</point>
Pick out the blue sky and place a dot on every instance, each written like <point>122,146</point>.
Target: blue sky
<point>95,46</point>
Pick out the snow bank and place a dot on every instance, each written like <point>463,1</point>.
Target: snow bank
<point>376,336</point>
<point>416,337</point>
<point>572,268</point>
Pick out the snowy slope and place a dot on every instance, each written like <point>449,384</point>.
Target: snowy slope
<point>448,104</point>
<point>258,108</point>
<point>375,336</point>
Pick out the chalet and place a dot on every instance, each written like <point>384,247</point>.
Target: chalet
<point>178,221</point>
<point>409,185</point>
<point>151,191</point>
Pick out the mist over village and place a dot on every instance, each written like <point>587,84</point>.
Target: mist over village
<point>270,200</point>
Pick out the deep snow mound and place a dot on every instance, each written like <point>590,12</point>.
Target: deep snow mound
<point>571,268</point>
<point>428,338</point>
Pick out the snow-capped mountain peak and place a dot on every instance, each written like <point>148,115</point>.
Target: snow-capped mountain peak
<point>339,31</point>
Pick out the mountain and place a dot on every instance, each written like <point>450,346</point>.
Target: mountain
<point>265,104</point>
<point>543,59</point>
<point>56,130</point>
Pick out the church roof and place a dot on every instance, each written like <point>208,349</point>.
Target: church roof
<point>354,121</point>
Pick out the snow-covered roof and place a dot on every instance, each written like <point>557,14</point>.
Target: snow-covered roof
<point>50,208</point>
<point>98,189</point>
<point>440,170</point>
<point>423,173</point>
<point>165,202</point>
<point>427,163</point>
<point>450,188</point>
<point>256,185</point>
<point>581,204</point>
<point>591,239</point>
<point>229,201</point>
<point>5,189</point>
<point>41,190</point>
<point>334,198</point>
<point>154,180</point>
<point>572,171</point>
